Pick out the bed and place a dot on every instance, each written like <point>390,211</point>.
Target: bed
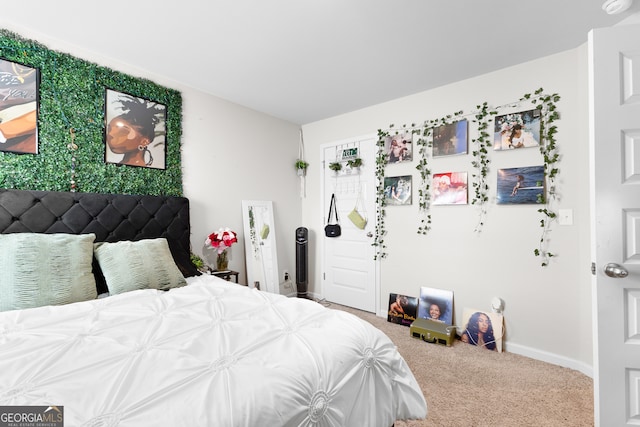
<point>156,343</point>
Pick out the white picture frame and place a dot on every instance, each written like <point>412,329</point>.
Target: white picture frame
<point>260,245</point>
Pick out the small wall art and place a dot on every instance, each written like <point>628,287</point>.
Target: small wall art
<point>451,139</point>
<point>402,309</point>
<point>517,130</point>
<point>135,130</point>
<point>482,329</point>
<point>397,190</point>
<point>18,107</point>
<point>521,185</point>
<point>399,148</point>
<point>450,188</point>
<point>436,304</point>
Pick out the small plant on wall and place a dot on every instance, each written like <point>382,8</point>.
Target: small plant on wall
<point>335,166</point>
<point>354,163</point>
<point>301,167</point>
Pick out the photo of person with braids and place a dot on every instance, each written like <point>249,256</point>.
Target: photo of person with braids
<point>135,131</point>
<point>483,329</point>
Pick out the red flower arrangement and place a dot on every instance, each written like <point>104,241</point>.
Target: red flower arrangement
<point>222,239</point>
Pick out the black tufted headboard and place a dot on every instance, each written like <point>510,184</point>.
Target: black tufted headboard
<point>112,217</point>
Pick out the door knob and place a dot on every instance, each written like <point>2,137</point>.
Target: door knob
<point>616,271</point>
<point>369,234</point>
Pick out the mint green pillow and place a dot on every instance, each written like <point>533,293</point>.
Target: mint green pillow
<point>142,264</point>
<point>45,269</point>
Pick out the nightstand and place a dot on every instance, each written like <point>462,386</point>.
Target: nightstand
<point>226,274</point>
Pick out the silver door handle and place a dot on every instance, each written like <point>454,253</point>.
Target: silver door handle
<point>369,234</point>
<point>615,270</point>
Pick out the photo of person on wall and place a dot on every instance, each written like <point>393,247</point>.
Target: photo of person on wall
<point>517,130</point>
<point>135,131</point>
<point>399,148</point>
<point>451,139</point>
<point>18,107</point>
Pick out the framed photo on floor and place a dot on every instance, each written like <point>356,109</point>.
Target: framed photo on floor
<point>482,329</point>
<point>402,309</point>
<point>436,304</point>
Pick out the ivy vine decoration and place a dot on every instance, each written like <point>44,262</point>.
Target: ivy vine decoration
<point>549,150</point>
<point>481,161</point>
<point>425,144</point>
<point>381,201</point>
<point>382,160</point>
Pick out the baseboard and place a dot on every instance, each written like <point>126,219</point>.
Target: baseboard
<point>553,358</point>
<point>541,355</point>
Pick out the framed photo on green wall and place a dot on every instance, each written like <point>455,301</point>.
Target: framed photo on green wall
<point>135,131</point>
<point>18,107</point>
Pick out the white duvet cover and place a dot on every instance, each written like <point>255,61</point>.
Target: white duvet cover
<point>212,353</point>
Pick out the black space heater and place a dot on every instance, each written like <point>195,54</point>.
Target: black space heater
<point>302,242</point>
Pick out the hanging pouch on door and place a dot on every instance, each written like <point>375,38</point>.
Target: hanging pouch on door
<point>332,230</point>
<point>356,217</point>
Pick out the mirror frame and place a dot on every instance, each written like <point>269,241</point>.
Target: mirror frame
<point>260,245</point>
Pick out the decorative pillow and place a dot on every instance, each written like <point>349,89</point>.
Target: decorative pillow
<point>45,269</point>
<point>142,264</point>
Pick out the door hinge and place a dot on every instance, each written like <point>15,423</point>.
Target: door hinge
<point>593,268</point>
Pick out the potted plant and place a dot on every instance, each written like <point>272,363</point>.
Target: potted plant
<point>198,262</point>
<point>335,166</point>
<point>301,167</point>
<point>354,163</point>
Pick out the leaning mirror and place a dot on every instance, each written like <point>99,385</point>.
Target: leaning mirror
<point>260,245</point>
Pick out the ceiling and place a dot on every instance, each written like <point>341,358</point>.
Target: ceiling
<point>306,60</point>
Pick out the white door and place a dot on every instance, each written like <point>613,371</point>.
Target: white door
<point>615,212</point>
<point>349,270</point>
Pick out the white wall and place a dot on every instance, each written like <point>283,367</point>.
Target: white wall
<point>547,310</point>
<point>229,153</point>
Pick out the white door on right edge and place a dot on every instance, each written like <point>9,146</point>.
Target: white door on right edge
<point>615,215</point>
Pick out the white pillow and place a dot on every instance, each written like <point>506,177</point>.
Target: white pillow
<point>142,264</point>
<point>45,269</point>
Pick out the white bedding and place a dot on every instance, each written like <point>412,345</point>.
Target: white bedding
<point>212,353</point>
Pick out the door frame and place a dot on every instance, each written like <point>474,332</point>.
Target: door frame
<point>325,208</point>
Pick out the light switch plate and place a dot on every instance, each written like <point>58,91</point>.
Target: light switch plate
<point>565,216</point>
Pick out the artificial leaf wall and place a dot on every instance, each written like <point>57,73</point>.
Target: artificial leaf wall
<point>71,111</point>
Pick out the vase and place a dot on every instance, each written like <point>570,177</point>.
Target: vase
<point>222,261</point>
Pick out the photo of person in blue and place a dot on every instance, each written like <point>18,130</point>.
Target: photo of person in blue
<point>436,304</point>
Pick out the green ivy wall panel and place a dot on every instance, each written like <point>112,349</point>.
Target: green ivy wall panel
<point>72,97</point>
